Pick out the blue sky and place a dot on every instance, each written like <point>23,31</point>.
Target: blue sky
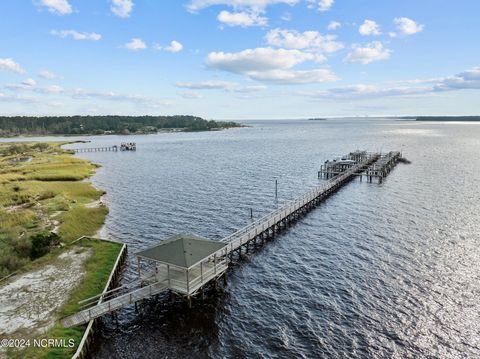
<point>240,59</point>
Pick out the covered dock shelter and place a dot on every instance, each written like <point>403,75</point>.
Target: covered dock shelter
<point>184,263</point>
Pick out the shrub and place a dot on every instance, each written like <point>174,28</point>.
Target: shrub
<point>41,243</point>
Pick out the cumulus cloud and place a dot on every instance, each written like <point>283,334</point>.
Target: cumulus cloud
<point>122,8</point>
<point>466,80</point>
<point>333,25</point>
<point>374,51</point>
<point>175,46</point>
<point>292,39</point>
<point>46,74</point>
<point>271,65</point>
<point>369,27</point>
<point>321,5</point>
<point>407,26</point>
<point>256,60</point>
<point>7,64</point>
<point>89,36</point>
<point>136,44</point>
<point>243,19</point>
<point>58,7</point>
<point>254,5</point>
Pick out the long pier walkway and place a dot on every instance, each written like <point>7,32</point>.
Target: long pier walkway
<point>187,280</point>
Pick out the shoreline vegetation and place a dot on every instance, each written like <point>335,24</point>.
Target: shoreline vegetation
<point>44,207</point>
<point>106,125</point>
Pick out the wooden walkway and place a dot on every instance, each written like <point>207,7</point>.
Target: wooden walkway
<point>263,228</point>
<point>96,149</point>
<point>111,305</point>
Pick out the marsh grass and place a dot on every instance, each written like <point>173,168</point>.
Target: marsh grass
<point>33,196</point>
<point>37,193</point>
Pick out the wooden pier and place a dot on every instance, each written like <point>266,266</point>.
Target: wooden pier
<point>126,146</point>
<point>170,265</point>
<point>96,149</point>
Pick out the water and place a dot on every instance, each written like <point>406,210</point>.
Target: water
<point>388,270</point>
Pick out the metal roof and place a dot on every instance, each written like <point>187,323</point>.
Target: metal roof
<point>183,250</point>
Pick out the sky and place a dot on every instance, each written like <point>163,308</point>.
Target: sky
<point>240,59</point>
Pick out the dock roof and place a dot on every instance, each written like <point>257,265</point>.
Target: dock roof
<point>183,250</point>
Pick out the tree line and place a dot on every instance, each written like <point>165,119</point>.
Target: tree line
<point>77,125</point>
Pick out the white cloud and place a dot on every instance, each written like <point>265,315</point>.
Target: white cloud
<point>374,51</point>
<point>29,82</point>
<point>333,25</point>
<point>254,5</point>
<point>208,85</point>
<point>8,64</point>
<point>220,85</point>
<point>369,27</point>
<point>175,46</point>
<point>81,94</point>
<point>259,59</point>
<point>190,95</point>
<point>122,8</point>
<point>250,89</point>
<point>270,65</point>
<point>89,36</point>
<point>321,5</point>
<point>466,80</point>
<point>136,44</point>
<point>58,7</point>
<point>243,19</point>
<point>53,89</point>
<point>288,77</point>
<point>407,26</point>
<point>292,39</point>
<point>46,74</point>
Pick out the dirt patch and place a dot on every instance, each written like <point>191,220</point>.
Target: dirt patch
<point>29,302</point>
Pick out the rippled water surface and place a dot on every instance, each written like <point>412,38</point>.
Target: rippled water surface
<point>388,270</point>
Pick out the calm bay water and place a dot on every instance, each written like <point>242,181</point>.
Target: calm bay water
<point>388,270</point>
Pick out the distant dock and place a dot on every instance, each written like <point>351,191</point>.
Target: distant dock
<point>186,265</point>
<point>130,146</point>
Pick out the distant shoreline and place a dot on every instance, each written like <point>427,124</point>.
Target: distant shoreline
<point>448,118</point>
<point>29,126</point>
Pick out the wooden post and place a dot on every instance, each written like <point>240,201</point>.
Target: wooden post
<point>168,275</point>
<point>139,269</point>
<point>201,272</point>
<point>188,283</point>
<point>251,212</point>
<point>276,189</point>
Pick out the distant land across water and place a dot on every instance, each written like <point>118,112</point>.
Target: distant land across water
<point>444,118</point>
<point>105,125</point>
